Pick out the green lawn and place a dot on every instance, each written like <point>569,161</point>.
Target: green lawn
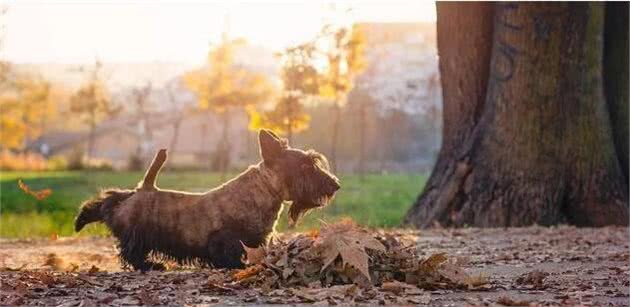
<point>377,201</point>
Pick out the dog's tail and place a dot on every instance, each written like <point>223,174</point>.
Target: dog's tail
<point>92,210</point>
<point>148,182</point>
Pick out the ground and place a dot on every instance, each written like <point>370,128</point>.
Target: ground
<point>535,265</point>
<point>374,200</point>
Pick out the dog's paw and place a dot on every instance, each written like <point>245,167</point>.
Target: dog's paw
<point>157,267</point>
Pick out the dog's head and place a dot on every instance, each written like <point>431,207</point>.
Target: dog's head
<point>306,174</point>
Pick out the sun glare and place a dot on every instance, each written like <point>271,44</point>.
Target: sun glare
<point>166,31</point>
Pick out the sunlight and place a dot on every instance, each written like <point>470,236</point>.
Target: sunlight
<point>117,32</point>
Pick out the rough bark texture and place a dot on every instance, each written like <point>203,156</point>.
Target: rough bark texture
<point>616,76</point>
<point>542,151</point>
<point>464,45</point>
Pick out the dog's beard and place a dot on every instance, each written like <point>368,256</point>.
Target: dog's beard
<point>300,208</point>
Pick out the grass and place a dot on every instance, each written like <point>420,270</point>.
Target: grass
<point>375,201</point>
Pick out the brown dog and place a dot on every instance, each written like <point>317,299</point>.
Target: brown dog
<point>209,227</point>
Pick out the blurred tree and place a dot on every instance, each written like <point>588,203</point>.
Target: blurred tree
<point>222,86</point>
<point>91,102</point>
<point>299,80</point>
<point>25,105</point>
<point>344,52</point>
<point>178,109</point>
<point>141,99</point>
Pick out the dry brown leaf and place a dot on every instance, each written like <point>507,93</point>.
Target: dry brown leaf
<point>247,272</point>
<point>349,242</point>
<point>39,195</point>
<point>535,278</point>
<point>54,262</point>
<point>454,273</point>
<point>395,287</point>
<point>474,281</point>
<point>93,269</point>
<point>506,301</point>
<point>72,267</point>
<point>434,261</point>
<point>254,255</point>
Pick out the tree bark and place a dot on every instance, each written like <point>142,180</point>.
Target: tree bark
<point>616,76</point>
<point>464,76</point>
<point>541,151</point>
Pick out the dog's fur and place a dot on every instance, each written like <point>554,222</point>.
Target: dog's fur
<point>209,227</point>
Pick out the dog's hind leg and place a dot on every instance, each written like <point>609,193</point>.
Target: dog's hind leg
<point>134,253</point>
<point>138,260</point>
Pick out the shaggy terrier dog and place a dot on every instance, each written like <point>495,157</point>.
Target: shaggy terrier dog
<point>209,227</point>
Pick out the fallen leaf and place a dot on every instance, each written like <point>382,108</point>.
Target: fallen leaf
<point>54,262</point>
<point>395,287</point>
<point>247,272</point>
<point>39,195</point>
<point>535,278</point>
<point>254,255</point>
<point>506,301</point>
<point>93,269</point>
<point>349,242</point>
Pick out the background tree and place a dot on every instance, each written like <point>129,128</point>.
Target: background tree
<point>142,103</point>
<point>527,135</point>
<point>92,103</point>
<point>178,108</point>
<point>343,49</point>
<point>223,86</point>
<point>25,105</point>
<point>299,82</point>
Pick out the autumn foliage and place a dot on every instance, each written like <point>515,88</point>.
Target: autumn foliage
<point>25,105</point>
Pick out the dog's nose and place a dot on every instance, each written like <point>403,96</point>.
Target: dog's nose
<point>336,186</point>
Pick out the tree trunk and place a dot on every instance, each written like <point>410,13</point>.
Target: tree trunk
<point>223,152</point>
<point>91,134</point>
<point>335,136</point>
<point>290,121</point>
<point>362,136</point>
<point>204,142</point>
<point>616,76</point>
<point>464,77</point>
<point>175,136</point>
<point>539,149</point>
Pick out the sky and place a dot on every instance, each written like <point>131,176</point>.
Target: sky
<point>142,31</point>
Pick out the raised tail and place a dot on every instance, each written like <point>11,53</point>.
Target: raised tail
<point>148,182</point>
<point>92,210</point>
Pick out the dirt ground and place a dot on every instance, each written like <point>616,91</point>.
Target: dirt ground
<point>525,266</point>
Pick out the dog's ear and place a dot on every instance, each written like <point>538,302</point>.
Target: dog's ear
<point>271,146</point>
<point>273,134</point>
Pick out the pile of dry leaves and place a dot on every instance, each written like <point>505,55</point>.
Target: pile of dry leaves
<point>342,254</point>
